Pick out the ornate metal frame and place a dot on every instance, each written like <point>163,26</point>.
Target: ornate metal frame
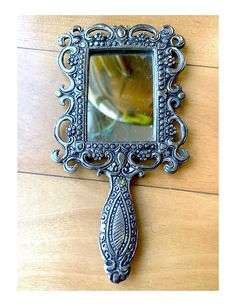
<point>118,230</point>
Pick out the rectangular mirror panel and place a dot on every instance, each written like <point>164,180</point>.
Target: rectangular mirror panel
<point>120,96</point>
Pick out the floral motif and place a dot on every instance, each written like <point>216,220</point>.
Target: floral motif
<point>73,60</point>
<point>166,30</point>
<point>142,36</point>
<point>71,130</point>
<point>144,154</point>
<point>100,36</point>
<point>169,60</point>
<point>170,130</point>
<point>97,154</point>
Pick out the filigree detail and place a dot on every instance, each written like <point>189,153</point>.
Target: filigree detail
<point>119,161</point>
<point>165,44</point>
<point>118,230</point>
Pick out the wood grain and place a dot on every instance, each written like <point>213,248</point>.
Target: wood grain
<point>38,110</point>
<point>58,222</point>
<point>200,32</point>
<point>58,213</point>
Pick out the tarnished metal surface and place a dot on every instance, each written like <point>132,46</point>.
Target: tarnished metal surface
<point>118,230</point>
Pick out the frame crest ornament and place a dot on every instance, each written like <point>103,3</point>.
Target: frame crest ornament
<point>118,229</point>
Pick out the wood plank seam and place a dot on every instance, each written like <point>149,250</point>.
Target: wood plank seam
<point>200,49</point>
<point>104,181</point>
<point>56,51</point>
<point>199,174</point>
<point>178,249</point>
<point>178,220</point>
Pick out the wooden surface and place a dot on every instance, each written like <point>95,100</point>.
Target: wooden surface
<point>59,215</point>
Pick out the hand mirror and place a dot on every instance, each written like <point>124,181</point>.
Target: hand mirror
<point>122,99</point>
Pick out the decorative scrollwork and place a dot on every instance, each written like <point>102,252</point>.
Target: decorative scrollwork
<point>100,36</point>
<point>121,161</point>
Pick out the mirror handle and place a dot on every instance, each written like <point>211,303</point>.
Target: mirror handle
<point>118,229</point>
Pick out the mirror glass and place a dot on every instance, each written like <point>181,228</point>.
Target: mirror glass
<point>120,96</point>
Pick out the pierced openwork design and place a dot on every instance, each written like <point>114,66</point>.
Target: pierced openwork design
<point>120,161</point>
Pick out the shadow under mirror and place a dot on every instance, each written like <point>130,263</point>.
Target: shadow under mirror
<point>120,96</point>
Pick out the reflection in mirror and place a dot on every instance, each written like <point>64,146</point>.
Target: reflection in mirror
<point>120,96</point>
